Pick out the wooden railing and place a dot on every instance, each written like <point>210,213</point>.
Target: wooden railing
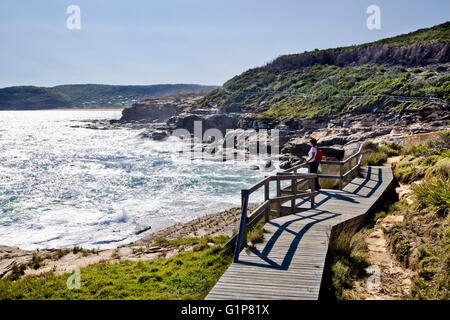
<point>272,206</point>
<point>421,137</point>
<point>302,186</point>
<point>352,163</point>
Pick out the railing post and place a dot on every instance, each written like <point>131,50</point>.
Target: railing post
<point>266,197</point>
<point>340,175</point>
<point>349,169</point>
<point>278,195</point>
<point>312,185</point>
<point>242,234</point>
<point>294,192</point>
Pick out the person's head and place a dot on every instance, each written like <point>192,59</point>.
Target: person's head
<point>312,141</point>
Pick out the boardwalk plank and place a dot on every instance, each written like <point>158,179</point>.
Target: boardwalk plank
<point>289,264</point>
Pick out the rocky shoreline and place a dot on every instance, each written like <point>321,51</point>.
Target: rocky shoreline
<point>159,118</point>
<point>59,261</point>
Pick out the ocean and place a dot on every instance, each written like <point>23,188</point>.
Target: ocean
<point>62,185</point>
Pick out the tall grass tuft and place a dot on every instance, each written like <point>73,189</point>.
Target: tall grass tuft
<point>376,154</point>
<point>435,194</point>
<point>348,257</point>
<point>256,235</point>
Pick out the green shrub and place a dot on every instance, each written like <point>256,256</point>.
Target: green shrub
<point>391,149</point>
<point>374,158</point>
<point>36,261</point>
<point>17,271</point>
<point>434,193</point>
<point>76,249</point>
<point>342,277</point>
<point>421,242</point>
<point>60,253</point>
<point>376,154</point>
<point>400,246</point>
<point>161,242</point>
<point>256,235</point>
<point>347,253</point>
<point>439,168</point>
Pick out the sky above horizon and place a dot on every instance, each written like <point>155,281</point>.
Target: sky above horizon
<point>184,41</point>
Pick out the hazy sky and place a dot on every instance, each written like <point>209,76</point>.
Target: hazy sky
<point>184,41</point>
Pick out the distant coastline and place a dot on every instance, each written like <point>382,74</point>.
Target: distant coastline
<point>73,109</point>
<point>91,96</point>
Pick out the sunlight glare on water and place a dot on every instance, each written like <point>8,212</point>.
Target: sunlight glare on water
<point>62,186</point>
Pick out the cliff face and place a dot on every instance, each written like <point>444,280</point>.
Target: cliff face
<point>160,109</point>
<point>414,56</point>
<point>327,84</point>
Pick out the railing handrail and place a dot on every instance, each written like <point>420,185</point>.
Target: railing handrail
<point>247,221</point>
<point>413,137</point>
<point>297,179</point>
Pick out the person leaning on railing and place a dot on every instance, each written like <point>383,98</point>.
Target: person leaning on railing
<point>313,164</point>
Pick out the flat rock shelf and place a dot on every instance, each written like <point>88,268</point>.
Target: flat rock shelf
<point>290,263</point>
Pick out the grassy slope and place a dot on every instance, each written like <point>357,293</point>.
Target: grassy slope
<point>332,85</point>
<point>422,241</point>
<point>188,275</point>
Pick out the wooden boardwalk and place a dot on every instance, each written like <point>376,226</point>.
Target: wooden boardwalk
<point>290,263</point>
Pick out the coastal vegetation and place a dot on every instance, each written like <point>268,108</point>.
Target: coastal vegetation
<point>347,261</point>
<point>420,240</point>
<point>188,275</point>
<point>328,83</point>
<point>324,91</point>
<point>377,154</point>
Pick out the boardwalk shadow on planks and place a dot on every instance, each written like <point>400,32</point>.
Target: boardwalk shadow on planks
<point>289,263</point>
<point>378,179</point>
<point>317,217</point>
<point>362,187</point>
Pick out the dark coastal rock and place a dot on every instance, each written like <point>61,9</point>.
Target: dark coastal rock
<point>186,121</point>
<point>157,135</point>
<point>285,165</point>
<point>333,152</point>
<point>160,109</point>
<point>333,140</point>
<point>148,110</point>
<point>293,124</point>
<point>222,122</point>
<point>235,108</point>
<point>298,147</point>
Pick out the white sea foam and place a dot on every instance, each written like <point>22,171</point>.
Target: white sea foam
<point>63,186</point>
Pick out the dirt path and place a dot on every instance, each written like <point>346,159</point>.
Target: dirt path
<point>388,280</point>
<point>391,160</point>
